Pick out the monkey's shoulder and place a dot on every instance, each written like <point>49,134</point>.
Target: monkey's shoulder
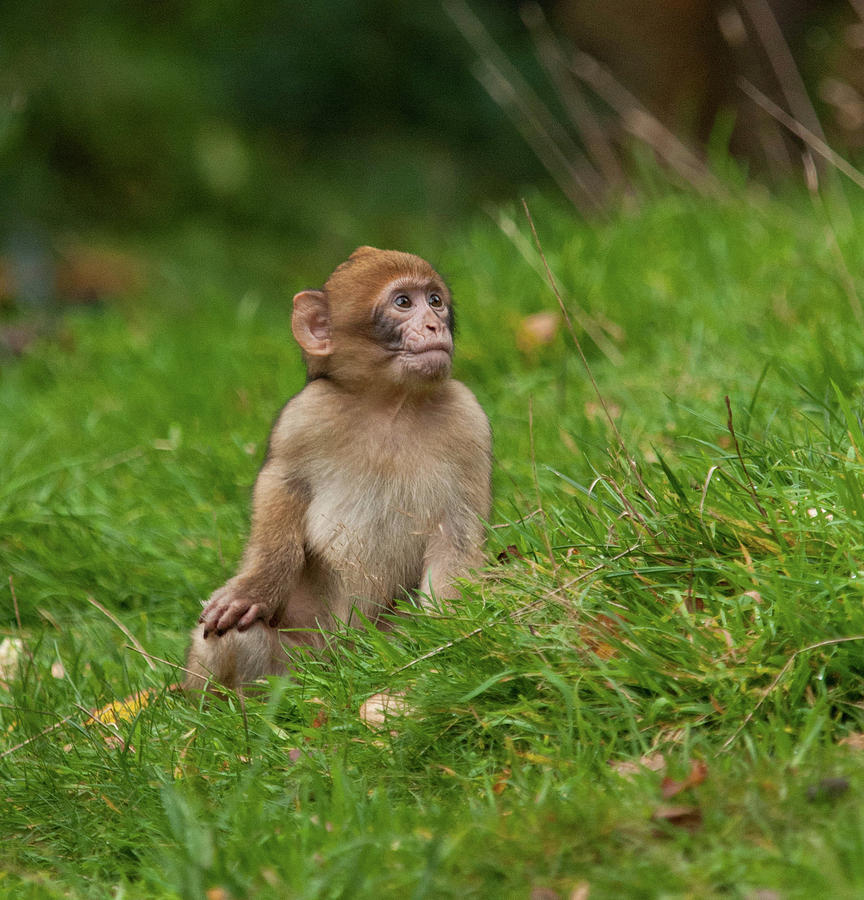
<point>302,410</point>
<point>323,416</point>
<point>460,401</point>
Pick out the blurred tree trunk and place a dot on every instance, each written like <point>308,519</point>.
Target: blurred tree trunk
<point>683,59</point>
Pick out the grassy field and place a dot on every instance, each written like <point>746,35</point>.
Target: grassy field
<point>656,691</point>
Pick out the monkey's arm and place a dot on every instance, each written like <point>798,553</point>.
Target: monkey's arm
<point>273,559</point>
<point>454,549</point>
<point>456,544</point>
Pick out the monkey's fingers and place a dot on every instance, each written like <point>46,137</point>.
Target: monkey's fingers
<point>255,612</point>
<point>221,614</point>
<point>239,614</point>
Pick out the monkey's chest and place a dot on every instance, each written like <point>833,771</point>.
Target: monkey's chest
<point>371,528</point>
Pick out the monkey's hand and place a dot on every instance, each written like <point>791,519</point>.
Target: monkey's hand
<point>235,605</point>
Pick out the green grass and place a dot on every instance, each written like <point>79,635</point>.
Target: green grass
<point>705,610</point>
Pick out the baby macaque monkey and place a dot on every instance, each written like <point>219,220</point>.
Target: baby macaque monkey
<point>376,480</point>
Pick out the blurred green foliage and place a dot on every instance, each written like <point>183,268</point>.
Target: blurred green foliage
<point>305,117</point>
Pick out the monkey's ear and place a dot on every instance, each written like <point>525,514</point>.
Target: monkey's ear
<point>310,323</point>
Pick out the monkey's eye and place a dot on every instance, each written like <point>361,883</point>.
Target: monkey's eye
<point>435,301</point>
<point>403,301</point>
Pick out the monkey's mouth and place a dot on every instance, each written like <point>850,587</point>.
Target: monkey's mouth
<point>429,361</point>
<point>439,347</point>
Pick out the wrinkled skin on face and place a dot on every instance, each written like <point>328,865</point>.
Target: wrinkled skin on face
<point>412,322</point>
<point>382,318</point>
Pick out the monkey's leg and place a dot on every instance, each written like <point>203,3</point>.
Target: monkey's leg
<point>236,658</point>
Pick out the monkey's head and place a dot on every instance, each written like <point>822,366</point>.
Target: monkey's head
<point>383,318</point>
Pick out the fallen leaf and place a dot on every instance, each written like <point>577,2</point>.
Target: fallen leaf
<point>698,773</point>
<point>11,652</point>
<point>627,768</point>
<point>377,709</point>
<point>854,741</point>
<point>538,330</point>
<point>694,604</point>
<point>500,784</point>
<point>121,710</point>
<point>511,551</point>
<point>544,893</point>
<point>217,893</point>
<point>580,891</point>
<point>687,817</point>
<point>593,636</point>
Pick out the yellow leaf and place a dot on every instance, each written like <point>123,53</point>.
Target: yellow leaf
<point>121,710</point>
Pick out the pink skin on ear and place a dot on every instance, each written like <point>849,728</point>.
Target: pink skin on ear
<point>310,323</point>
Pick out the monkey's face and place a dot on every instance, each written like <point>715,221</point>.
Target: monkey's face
<point>412,325</point>
<point>384,320</point>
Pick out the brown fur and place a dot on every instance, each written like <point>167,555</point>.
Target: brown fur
<point>376,481</point>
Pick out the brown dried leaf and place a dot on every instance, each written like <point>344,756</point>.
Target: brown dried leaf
<point>377,709</point>
<point>511,551</point>
<point>698,773</point>
<point>687,817</point>
<point>501,781</point>
<point>694,604</point>
<point>854,741</point>
<point>538,330</point>
<point>580,891</point>
<point>217,893</point>
<point>627,768</point>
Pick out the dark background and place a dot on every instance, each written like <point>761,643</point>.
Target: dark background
<point>325,118</point>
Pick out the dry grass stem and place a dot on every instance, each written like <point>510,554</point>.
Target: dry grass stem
<point>45,731</point>
<point>543,520</point>
<point>554,147</point>
<point>783,63</point>
<point>813,141</point>
<point>578,109</point>
<point>593,327</point>
<point>109,615</point>
<point>551,278</point>
<point>789,662</point>
<point>640,123</point>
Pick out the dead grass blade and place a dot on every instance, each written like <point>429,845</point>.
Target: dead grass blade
<point>641,124</point>
<point>135,643</point>
<point>788,665</point>
<point>813,141</point>
<point>602,400</point>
